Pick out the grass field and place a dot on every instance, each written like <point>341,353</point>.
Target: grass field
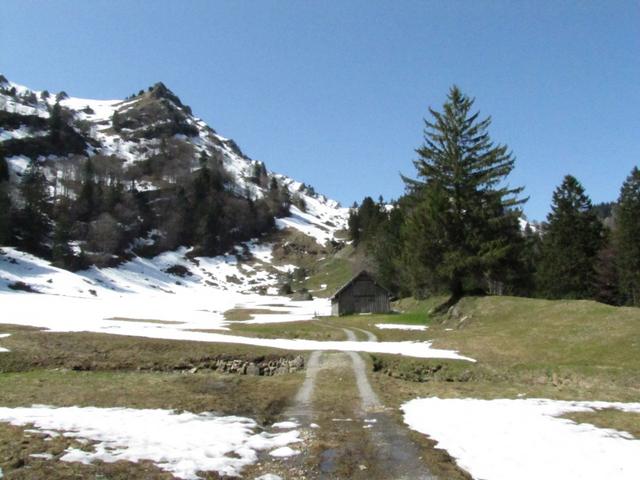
<point>569,350</point>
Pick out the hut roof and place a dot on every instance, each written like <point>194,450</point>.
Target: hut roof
<point>363,273</point>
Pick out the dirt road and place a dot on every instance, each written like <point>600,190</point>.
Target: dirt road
<point>348,431</point>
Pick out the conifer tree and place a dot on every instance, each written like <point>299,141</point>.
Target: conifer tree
<point>4,168</point>
<point>627,237</point>
<point>5,214</point>
<point>88,199</point>
<point>34,219</point>
<point>354,224</point>
<point>61,252</point>
<point>5,201</point>
<point>461,227</point>
<point>55,124</point>
<point>571,241</point>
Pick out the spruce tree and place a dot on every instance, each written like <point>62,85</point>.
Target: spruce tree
<point>5,202</point>
<point>460,230</point>
<point>61,252</point>
<point>55,124</point>
<point>627,237</point>
<point>5,214</point>
<point>34,219</point>
<point>4,168</point>
<point>571,241</point>
<point>88,200</point>
<point>354,224</point>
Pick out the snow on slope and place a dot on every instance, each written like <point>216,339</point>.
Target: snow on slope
<point>141,299</point>
<point>180,443</point>
<point>323,218</point>
<point>525,439</point>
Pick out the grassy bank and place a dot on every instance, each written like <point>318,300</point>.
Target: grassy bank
<point>570,350</point>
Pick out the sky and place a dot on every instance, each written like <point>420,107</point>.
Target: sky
<point>333,93</point>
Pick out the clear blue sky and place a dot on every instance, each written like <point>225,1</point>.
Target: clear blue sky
<point>333,93</point>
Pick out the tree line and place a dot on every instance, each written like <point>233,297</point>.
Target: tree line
<point>458,228</point>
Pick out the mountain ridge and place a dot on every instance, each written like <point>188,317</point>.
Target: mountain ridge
<point>148,148</point>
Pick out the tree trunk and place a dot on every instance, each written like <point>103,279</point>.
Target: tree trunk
<point>457,292</point>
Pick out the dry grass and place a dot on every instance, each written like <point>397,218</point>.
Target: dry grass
<point>66,369</point>
<point>573,350</point>
<point>262,398</point>
<point>609,418</point>
<point>238,314</point>
<point>36,349</point>
<point>308,330</point>
<point>16,448</point>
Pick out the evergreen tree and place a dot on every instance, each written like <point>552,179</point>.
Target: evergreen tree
<point>259,175</point>
<point>365,221</point>
<point>571,241</point>
<point>210,228</point>
<point>55,124</point>
<point>4,169</point>
<point>627,237</point>
<point>5,202</point>
<point>5,214</point>
<point>34,219</point>
<point>461,228</point>
<point>88,199</point>
<point>387,250</point>
<point>61,252</point>
<point>530,254</point>
<point>354,224</point>
<point>607,282</point>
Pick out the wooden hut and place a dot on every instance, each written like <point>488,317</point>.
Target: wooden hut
<point>361,294</point>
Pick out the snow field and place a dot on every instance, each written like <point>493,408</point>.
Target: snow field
<point>64,314</point>
<point>179,443</point>
<point>139,298</point>
<point>525,439</point>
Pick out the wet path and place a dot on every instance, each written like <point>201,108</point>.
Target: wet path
<point>357,438</point>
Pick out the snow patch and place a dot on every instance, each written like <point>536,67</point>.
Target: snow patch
<point>400,326</point>
<point>285,425</point>
<point>284,452</point>
<point>4,335</point>
<point>179,443</point>
<point>525,439</point>
<point>43,456</point>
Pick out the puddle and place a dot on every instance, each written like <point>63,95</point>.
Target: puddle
<point>328,460</point>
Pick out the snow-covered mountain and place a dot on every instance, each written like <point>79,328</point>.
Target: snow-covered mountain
<point>142,122</point>
<point>153,146</point>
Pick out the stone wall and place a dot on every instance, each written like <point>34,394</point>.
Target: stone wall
<point>264,366</point>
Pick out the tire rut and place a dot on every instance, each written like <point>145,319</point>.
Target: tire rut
<point>398,455</point>
<point>385,452</point>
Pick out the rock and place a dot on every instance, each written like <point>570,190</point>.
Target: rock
<point>297,362</point>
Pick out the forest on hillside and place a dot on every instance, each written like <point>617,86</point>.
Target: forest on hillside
<point>458,228</point>
<point>79,208</point>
